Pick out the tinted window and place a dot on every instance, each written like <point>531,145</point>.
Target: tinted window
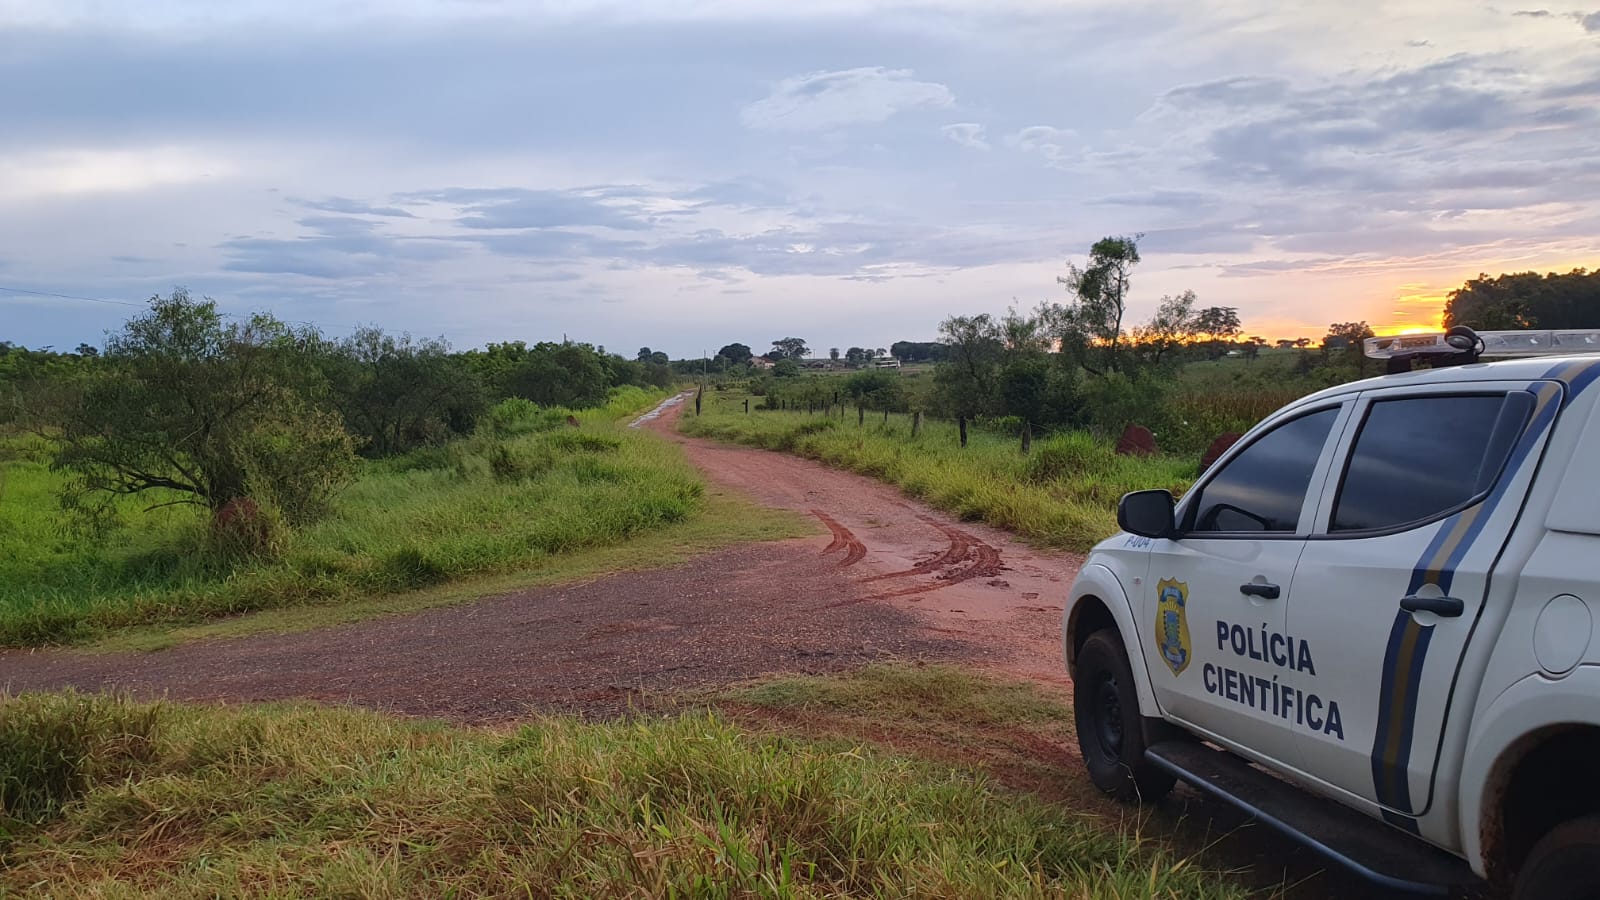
<point>1263,488</point>
<point>1416,458</point>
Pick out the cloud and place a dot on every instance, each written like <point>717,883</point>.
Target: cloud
<point>337,247</point>
<point>353,207</point>
<point>967,134</point>
<point>1591,22</point>
<point>525,208</point>
<point>1046,140</point>
<point>822,101</point>
<point>1533,13</point>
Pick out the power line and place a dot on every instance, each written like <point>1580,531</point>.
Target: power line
<point>16,290</point>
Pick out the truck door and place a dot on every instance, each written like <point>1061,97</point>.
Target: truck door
<point>1214,595</point>
<point>1428,484</point>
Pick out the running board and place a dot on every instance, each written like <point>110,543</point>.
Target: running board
<point>1369,848</point>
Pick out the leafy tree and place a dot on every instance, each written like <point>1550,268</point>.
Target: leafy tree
<point>203,412</point>
<point>1090,326</point>
<point>1173,325</point>
<point>965,382</point>
<point>855,356</point>
<point>789,348</point>
<point>880,353</point>
<point>917,351</point>
<point>644,354</point>
<point>88,350</point>
<point>1527,300</point>
<point>1345,338</point>
<point>1219,323</point>
<point>787,367</point>
<point>658,357</point>
<point>833,353</point>
<point>564,374</point>
<point>877,389</point>
<point>738,354</point>
<point>399,393</point>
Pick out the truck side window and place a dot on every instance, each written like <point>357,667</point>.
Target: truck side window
<point>1263,488</point>
<point>1418,457</point>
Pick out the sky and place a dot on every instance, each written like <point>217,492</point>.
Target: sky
<point>681,174</point>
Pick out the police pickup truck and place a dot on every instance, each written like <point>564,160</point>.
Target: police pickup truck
<point>1370,623</point>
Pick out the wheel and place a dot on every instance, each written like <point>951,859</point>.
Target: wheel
<point>1564,865</point>
<point>1110,730</point>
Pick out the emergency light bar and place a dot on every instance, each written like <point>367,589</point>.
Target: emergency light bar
<point>1488,343</point>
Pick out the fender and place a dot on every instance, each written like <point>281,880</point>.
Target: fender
<point>1529,706</point>
<point>1095,580</point>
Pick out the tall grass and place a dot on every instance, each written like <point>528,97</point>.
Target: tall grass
<point>291,801</point>
<point>1062,495</point>
<point>496,502</point>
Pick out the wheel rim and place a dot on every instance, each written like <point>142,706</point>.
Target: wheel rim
<point>1108,716</point>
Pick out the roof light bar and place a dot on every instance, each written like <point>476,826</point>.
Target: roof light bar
<point>1495,343</point>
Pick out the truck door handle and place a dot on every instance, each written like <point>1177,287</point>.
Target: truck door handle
<point>1264,591</point>
<point>1447,607</point>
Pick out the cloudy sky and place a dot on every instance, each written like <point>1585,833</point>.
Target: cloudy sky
<point>685,173</point>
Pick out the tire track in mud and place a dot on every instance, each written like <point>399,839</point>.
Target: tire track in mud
<point>843,539</point>
<point>966,558</point>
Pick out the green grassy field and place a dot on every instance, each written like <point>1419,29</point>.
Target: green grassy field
<point>100,797</point>
<point>1062,495</point>
<point>410,528</point>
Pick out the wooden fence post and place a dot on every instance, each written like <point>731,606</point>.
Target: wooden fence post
<point>1027,437</point>
<point>886,417</point>
<point>697,395</point>
<point>861,415</point>
<point>747,406</point>
<point>916,423</point>
<point>961,425</point>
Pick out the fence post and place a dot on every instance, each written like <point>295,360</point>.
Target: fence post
<point>1027,437</point>
<point>861,415</point>
<point>747,406</point>
<point>916,423</point>
<point>697,395</point>
<point>961,425</point>
<point>886,417</point>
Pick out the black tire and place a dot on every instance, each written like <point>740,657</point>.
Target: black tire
<point>1564,865</point>
<point>1111,734</point>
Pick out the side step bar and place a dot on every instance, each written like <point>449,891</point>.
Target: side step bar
<point>1369,848</point>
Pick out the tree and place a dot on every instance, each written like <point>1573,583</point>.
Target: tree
<point>1527,300</point>
<point>644,354</point>
<point>399,393</point>
<point>738,354</point>
<point>564,374</point>
<point>876,389</point>
<point>1219,323</point>
<point>1346,338</point>
<point>1172,326</point>
<point>965,381</point>
<point>833,353</point>
<point>880,353</point>
<point>788,367</point>
<point>789,348</point>
<point>855,356</point>
<point>88,350</point>
<point>658,357</point>
<point>917,351</point>
<point>1100,290</point>
<point>203,412</point>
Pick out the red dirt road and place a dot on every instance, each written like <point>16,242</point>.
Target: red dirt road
<point>892,579</point>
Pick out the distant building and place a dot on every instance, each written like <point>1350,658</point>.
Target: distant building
<point>761,362</point>
<point>887,362</point>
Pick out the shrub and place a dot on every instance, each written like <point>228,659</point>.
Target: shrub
<point>1073,454</point>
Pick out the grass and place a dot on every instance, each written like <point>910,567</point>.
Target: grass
<point>105,797</point>
<point>441,525</point>
<point>1063,495</point>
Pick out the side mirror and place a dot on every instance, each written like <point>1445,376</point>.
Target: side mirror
<point>1147,514</point>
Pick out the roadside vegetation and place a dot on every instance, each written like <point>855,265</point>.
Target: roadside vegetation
<point>1063,494</point>
<point>200,467</point>
<point>103,796</point>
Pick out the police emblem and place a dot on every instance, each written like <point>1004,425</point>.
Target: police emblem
<point>1172,624</point>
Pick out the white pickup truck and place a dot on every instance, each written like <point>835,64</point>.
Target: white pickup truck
<point>1377,607</point>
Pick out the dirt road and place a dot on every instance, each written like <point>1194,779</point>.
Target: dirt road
<point>890,579</point>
